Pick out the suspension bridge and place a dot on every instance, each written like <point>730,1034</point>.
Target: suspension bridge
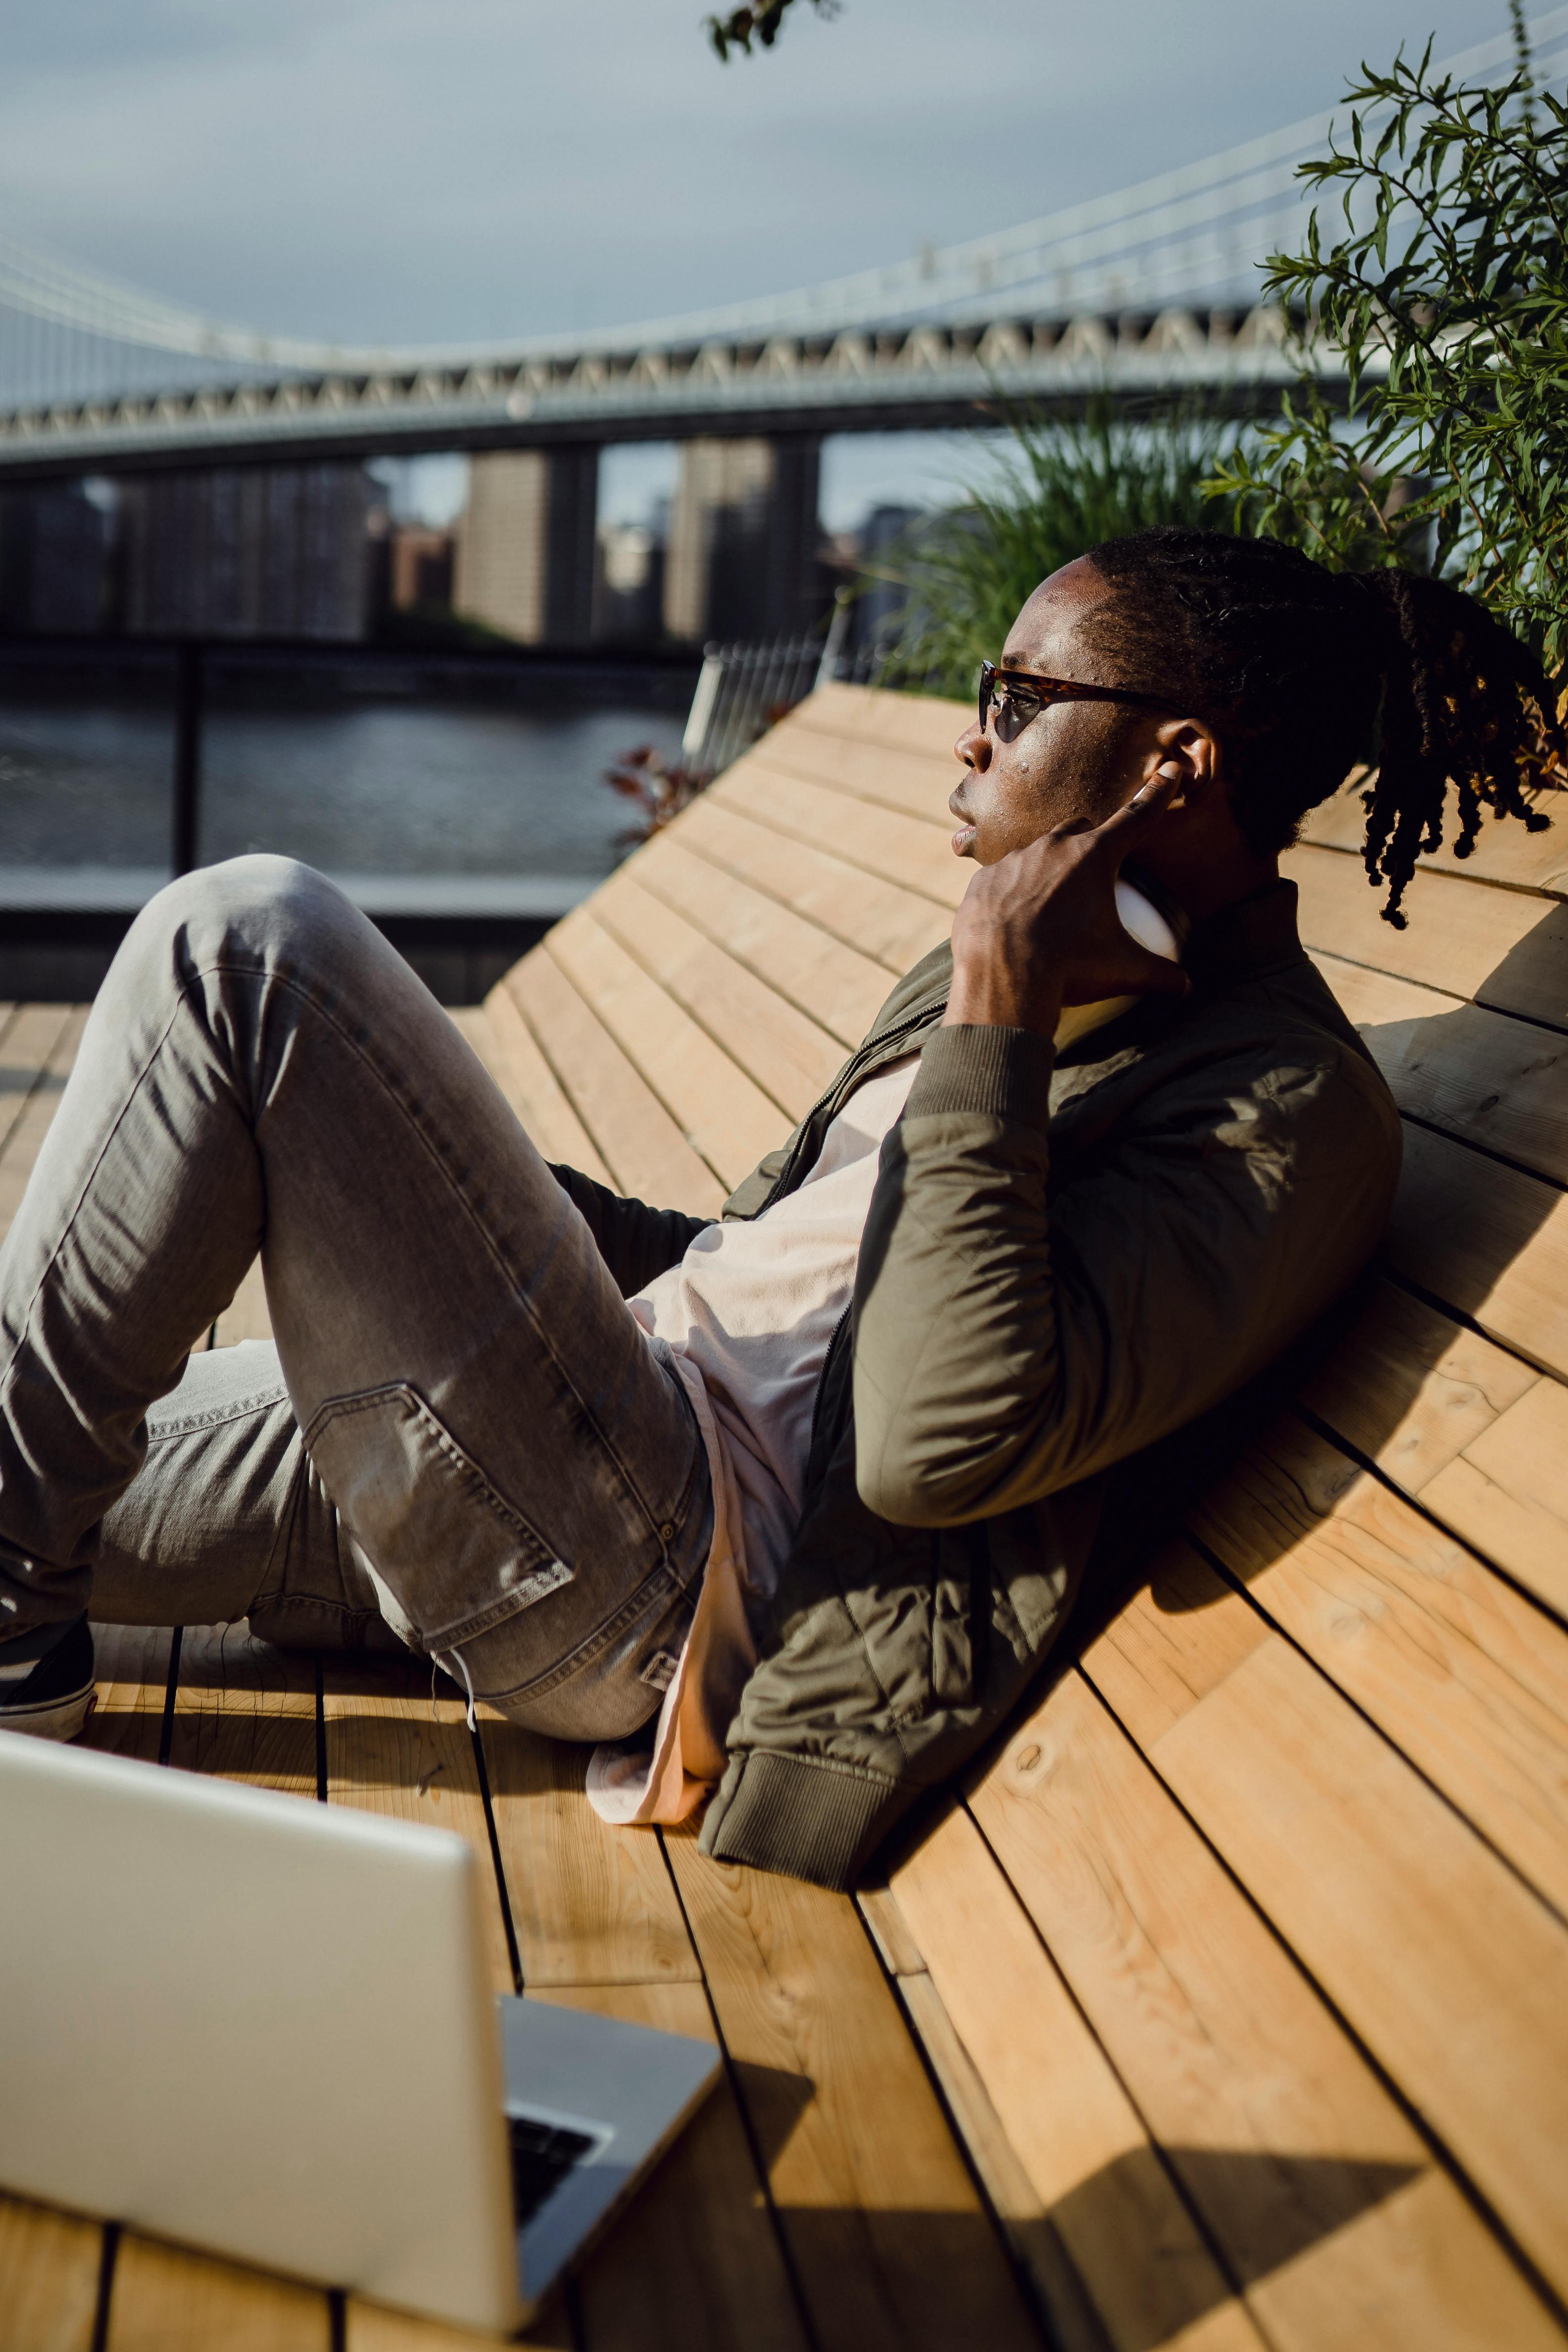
<point>1154,288</point>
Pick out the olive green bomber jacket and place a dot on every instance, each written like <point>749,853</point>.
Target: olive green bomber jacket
<point>1068,1256</point>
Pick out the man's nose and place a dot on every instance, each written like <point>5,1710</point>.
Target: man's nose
<point>974,748</point>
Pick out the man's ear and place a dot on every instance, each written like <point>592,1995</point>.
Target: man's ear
<point>1188,754</point>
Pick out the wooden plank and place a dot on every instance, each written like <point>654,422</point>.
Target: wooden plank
<point>372,2327</point>
<point>591,1905</point>
<point>922,723</point>
<point>130,1664</point>
<point>1152,1669</point>
<point>472,1024</point>
<point>896,848</point>
<point>533,1090</point>
<point>1508,1492</point>
<point>1451,1972</point>
<point>33,1121</point>
<point>723,1115</point>
<point>888,2237</point>
<point>695,2264</point>
<point>245,1710</point>
<point>840,989</point>
<point>1481,1075</point>
<point>1479,1436</point>
<point>165,2300</point>
<point>1314,2188</point>
<point>49,2265</point>
<point>1096,2187</point>
<point>911,781</point>
<point>896,1947</point>
<point>247,1315</point>
<point>642,1147</point>
<point>894,926</point>
<point>32,1033</point>
<point>790,1057</point>
<point>1410,1388</point>
<point>501,1039</point>
<point>1505,853</point>
<point>1502,948</point>
<point>395,1744</point>
<point>1461,1671</point>
<point>1072,2323</point>
<point>1487,1239</point>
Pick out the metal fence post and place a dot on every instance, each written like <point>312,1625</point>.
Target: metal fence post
<point>188,791</point>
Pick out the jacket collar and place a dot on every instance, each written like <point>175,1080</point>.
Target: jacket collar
<point>922,991</point>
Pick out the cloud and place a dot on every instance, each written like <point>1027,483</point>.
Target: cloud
<point>414,169</point>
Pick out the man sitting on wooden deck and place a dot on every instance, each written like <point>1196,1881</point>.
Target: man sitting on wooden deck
<point>797,1502</point>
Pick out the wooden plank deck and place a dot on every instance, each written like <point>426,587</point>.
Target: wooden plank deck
<point>1226,2005</point>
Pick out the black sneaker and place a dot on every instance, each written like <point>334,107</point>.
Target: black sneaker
<point>55,1700</point>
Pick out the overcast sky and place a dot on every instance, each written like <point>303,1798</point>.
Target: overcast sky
<point>424,169</point>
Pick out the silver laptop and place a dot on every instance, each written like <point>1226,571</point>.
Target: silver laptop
<point>262,2026</point>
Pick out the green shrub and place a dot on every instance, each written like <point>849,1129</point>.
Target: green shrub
<point>1054,491</point>
<point>1446,285</point>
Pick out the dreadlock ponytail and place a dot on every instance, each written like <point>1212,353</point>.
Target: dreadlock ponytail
<point>1463,702</point>
<point>1308,673</point>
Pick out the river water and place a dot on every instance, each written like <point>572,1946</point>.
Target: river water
<point>487,806</point>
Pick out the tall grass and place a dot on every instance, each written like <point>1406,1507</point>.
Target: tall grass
<point>1053,491</point>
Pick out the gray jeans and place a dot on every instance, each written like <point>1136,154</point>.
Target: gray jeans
<point>461,1433</point>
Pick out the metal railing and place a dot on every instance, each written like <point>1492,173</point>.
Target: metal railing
<point>742,689</point>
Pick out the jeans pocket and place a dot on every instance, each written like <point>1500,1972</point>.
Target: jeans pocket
<point>458,1556</point>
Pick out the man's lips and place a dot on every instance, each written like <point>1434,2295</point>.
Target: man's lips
<point>962,840</point>
<point>966,833</point>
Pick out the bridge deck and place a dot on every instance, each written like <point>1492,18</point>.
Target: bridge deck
<point>1226,2006</point>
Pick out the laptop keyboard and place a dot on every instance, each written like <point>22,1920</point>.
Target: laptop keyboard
<point>542,2155</point>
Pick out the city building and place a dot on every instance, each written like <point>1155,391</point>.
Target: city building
<point>525,555</point>
<point>54,559</point>
<point>628,588</point>
<point>265,550</point>
<point>875,615</point>
<point>420,567</point>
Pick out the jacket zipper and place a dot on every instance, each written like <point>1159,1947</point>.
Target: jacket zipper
<point>845,1085</point>
<point>838,1331</point>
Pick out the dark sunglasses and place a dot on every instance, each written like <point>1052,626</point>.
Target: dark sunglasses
<point>1019,695</point>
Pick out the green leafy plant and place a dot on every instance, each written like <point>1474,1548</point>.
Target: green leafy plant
<point>1056,489</point>
<point>1445,283</point>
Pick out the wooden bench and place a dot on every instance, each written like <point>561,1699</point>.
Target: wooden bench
<point>1226,2004</point>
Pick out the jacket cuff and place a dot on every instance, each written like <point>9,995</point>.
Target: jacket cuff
<point>1000,1073</point>
<point>806,1818</point>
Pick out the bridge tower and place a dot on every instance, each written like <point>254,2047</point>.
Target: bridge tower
<point>742,538</point>
<point>525,544</point>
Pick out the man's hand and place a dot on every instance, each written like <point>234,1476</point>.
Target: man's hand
<point>1039,928</point>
